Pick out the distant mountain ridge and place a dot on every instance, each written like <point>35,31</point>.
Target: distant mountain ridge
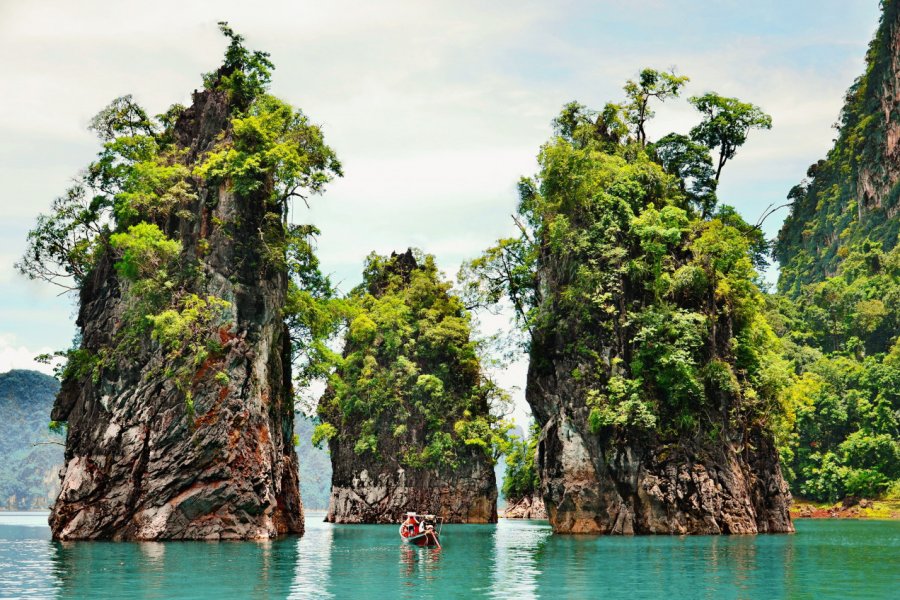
<point>29,473</point>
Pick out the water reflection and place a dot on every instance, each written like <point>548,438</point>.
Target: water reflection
<point>515,559</point>
<point>517,556</point>
<point>418,566</point>
<point>178,569</point>
<point>312,570</point>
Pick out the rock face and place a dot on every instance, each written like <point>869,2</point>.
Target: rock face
<point>389,452</point>
<point>852,195</point>
<point>881,90</point>
<point>382,491</point>
<point>140,464</point>
<point>599,484</point>
<point>529,507</point>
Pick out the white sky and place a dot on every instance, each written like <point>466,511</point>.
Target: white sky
<point>435,108</point>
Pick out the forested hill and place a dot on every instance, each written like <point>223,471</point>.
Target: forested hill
<point>838,311</point>
<point>28,472</point>
<point>850,200</point>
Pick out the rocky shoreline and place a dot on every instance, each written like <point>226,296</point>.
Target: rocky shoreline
<point>529,507</point>
<point>848,509</point>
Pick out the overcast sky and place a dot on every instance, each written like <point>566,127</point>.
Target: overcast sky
<point>435,108</point>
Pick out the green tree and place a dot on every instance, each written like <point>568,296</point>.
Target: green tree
<point>656,303</point>
<point>410,373</point>
<point>521,479</point>
<point>692,166</point>
<point>726,124</point>
<point>650,84</point>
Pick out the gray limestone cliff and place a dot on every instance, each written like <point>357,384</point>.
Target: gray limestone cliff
<point>140,461</point>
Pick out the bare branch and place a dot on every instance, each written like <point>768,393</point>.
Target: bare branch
<point>522,228</point>
<point>768,212</point>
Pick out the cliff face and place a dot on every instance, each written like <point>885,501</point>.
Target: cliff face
<point>528,507</point>
<point>381,489</point>
<point>210,456</point>
<point>853,195</point>
<point>653,373</point>
<point>407,410</point>
<point>611,484</point>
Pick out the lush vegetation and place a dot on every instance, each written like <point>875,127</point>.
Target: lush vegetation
<point>622,252</point>
<point>410,376</point>
<point>30,454</point>
<point>851,197</point>
<point>624,260</point>
<point>839,309</point>
<point>138,203</point>
<point>521,479</point>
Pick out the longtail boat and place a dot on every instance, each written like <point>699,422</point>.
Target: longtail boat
<point>421,530</point>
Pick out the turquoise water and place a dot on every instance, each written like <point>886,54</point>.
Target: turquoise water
<point>515,559</point>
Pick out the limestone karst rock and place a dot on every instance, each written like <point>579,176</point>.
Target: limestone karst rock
<point>409,394</point>
<point>527,507</point>
<point>138,465</point>
<point>195,294</point>
<point>653,375</point>
<point>722,477</point>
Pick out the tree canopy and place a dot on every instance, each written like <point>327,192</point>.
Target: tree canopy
<point>410,370</point>
<point>726,124</point>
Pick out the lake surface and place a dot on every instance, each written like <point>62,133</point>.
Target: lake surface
<point>515,559</point>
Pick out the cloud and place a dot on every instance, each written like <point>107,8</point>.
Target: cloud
<point>14,355</point>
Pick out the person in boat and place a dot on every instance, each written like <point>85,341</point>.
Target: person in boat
<point>428,523</point>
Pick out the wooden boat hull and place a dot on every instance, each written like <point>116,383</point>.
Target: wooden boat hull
<point>425,539</point>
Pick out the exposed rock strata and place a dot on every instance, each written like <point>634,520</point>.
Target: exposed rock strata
<point>367,492</point>
<point>138,465</point>
<point>528,507</point>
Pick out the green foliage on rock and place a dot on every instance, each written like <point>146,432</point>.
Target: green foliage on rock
<point>137,208</point>
<point>654,290</point>
<point>410,370</point>
<point>272,142</point>
<point>840,286</point>
<point>521,479</point>
<point>839,303</point>
<point>850,197</point>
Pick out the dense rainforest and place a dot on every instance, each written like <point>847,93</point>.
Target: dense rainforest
<point>837,306</point>
<point>838,302</point>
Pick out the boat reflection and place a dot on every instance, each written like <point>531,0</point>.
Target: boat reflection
<point>416,563</point>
